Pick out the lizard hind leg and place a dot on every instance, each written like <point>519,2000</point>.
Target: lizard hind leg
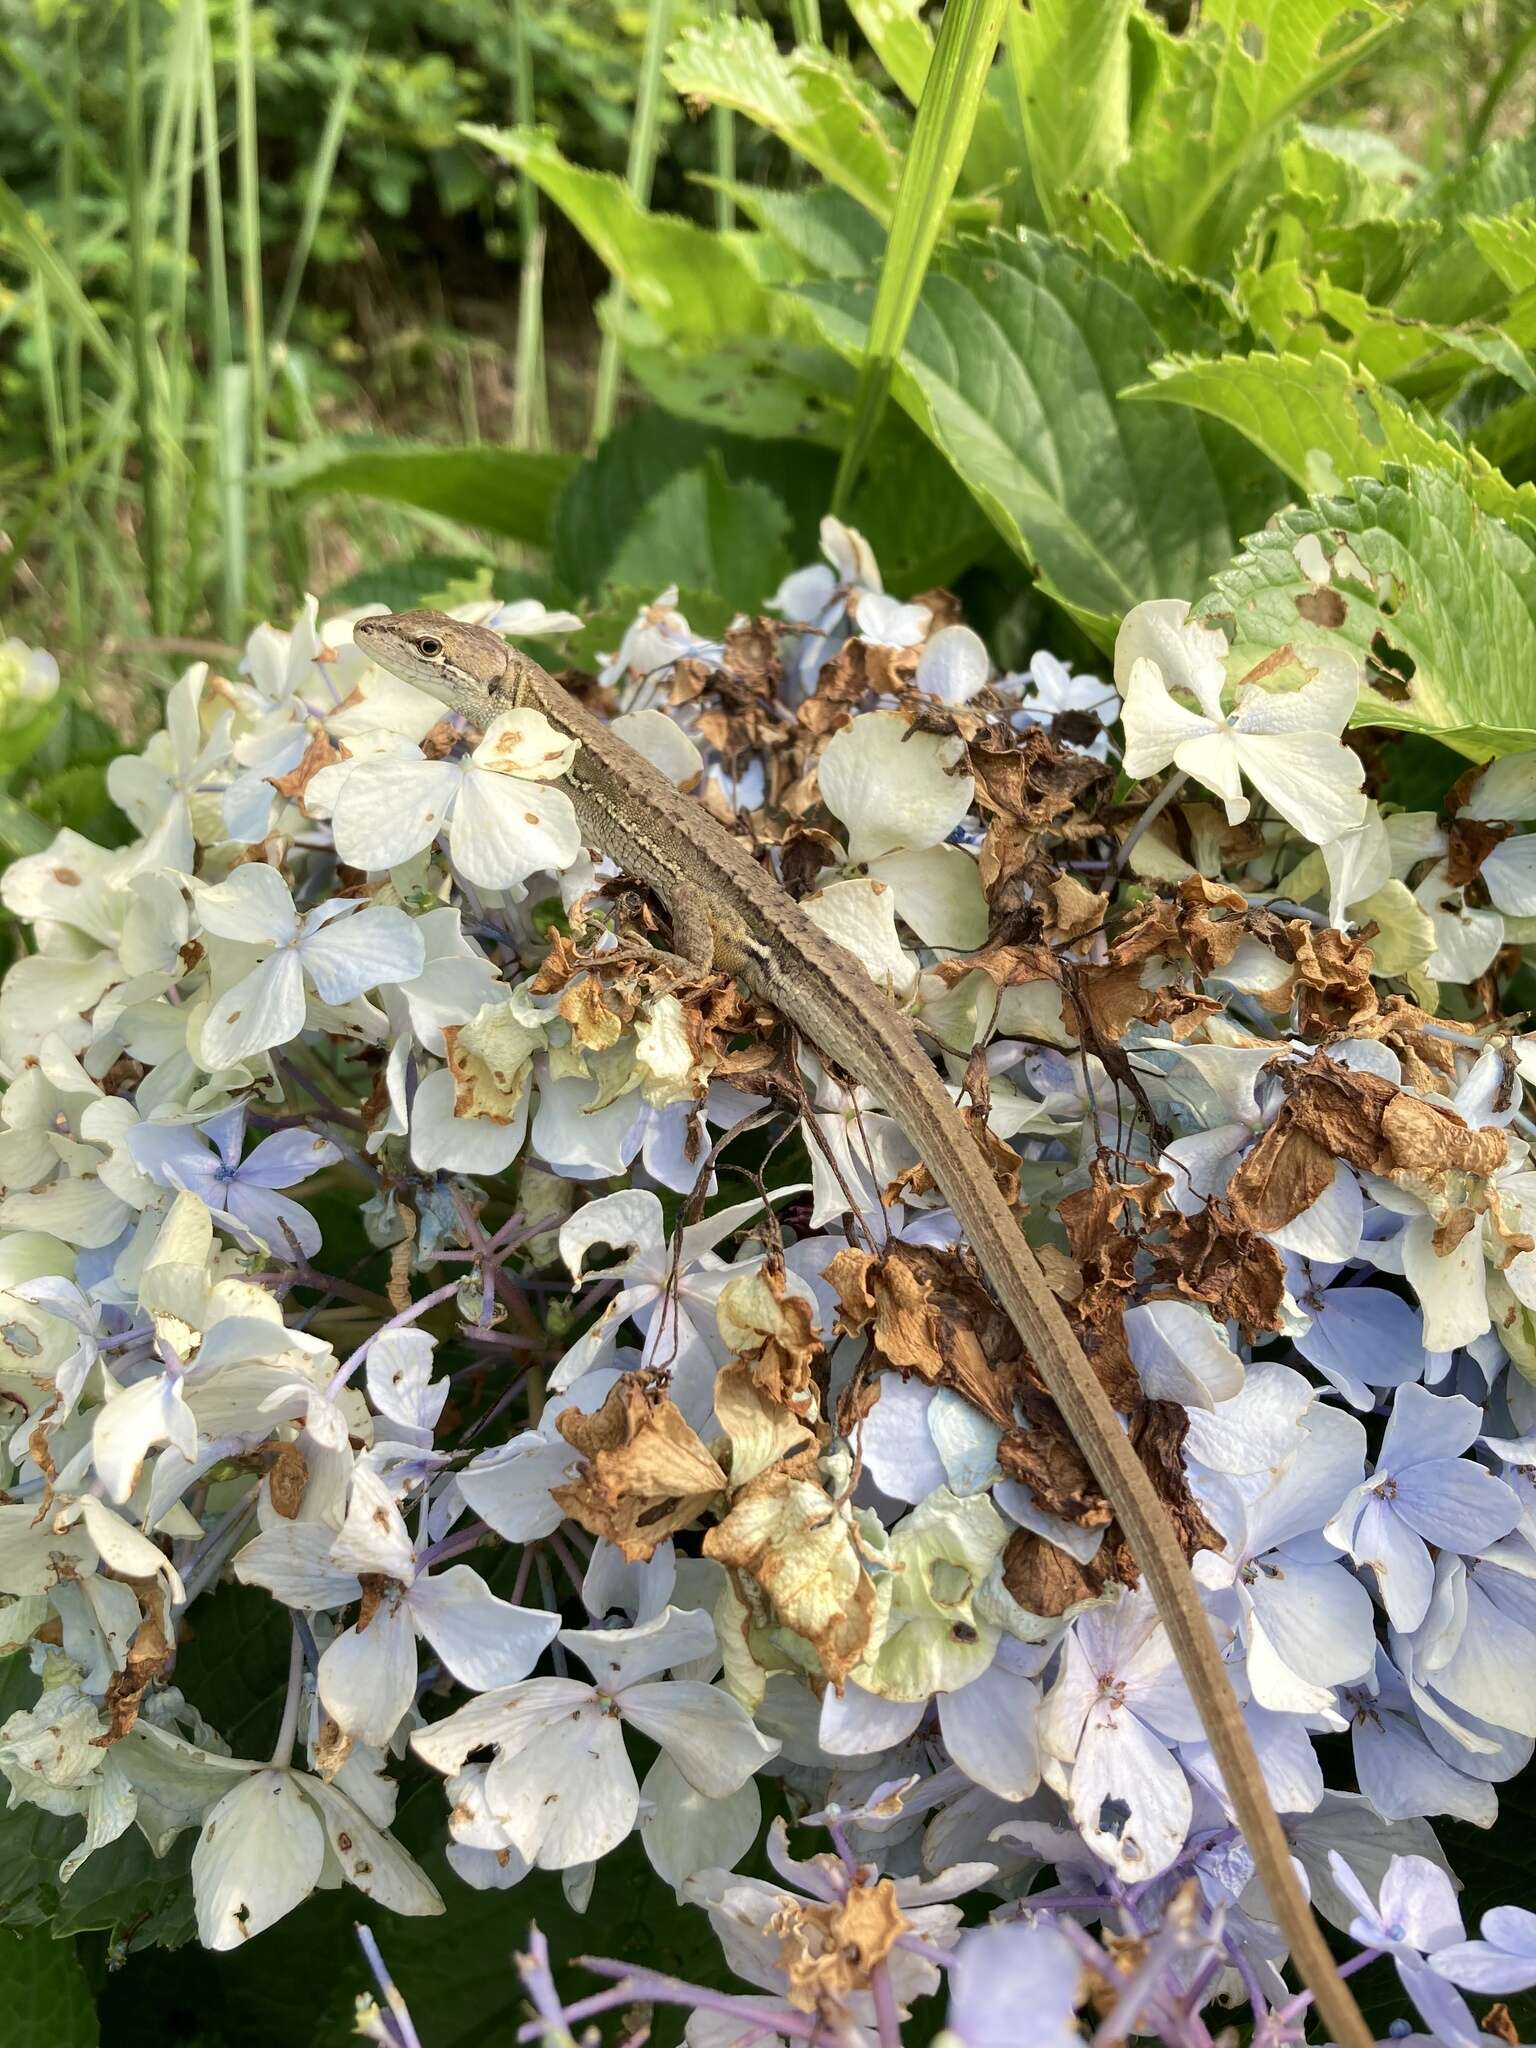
<point>693,929</point>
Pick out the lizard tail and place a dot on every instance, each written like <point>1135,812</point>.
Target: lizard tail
<point>886,1057</point>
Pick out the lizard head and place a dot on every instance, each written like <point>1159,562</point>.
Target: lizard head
<point>449,659</point>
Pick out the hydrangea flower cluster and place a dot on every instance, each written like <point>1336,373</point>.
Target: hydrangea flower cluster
<point>659,1436</point>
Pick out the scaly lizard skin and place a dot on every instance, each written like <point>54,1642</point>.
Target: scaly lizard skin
<point>730,914</point>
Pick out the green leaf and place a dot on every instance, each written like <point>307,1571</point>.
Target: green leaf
<point>610,497</point>
<point>419,579</point>
<point>20,831</point>
<point>18,743</point>
<point>900,38</point>
<point>703,530</point>
<point>1435,595</point>
<point>829,234</point>
<point>1071,65</point>
<point>694,283</point>
<point>78,797</point>
<point>759,385</point>
<point>1321,422</point>
<point>1202,147</point>
<point>1011,368</point>
<point>44,1993</point>
<point>957,79</point>
<point>1507,245</point>
<point>500,490</point>
<point>1454,281</point>
<point>809,99</point>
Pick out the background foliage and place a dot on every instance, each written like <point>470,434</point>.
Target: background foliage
<point>297,298</point>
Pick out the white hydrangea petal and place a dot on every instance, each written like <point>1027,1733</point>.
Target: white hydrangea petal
<point>130,1423</point>
<point>891,786</point>
<point>991,1731</point>
<point>708,1735</point>
<point>400,1383</point>
<point>1129,1797</point>
<point>569,1795</point>
<point>504,830</point>
<point>953,665</point>
<point>263,1010</point>
<point>663,743</point>
<point>293,1561</point>
<point>686,1831</point>
<point>859,1723</point>
<point>1154,725</point>
<point>509,1486</point>
<point>253,905</point>
<point>1318,1619</point>
<point>1509,874</point>
<point>444,1143</point>
<point>1181,1353</point>
<point>629,1222</point>
<point>861,916</point>
<point>620,1657</point>
<point>522,743</point>
<point>374,1537</point>
<point>938,893</point>
<point>389,809</point>
<point>373,945</point>
<point>899,1453</point>
<point>371,1859</point>
<point>1310,778</point>
<point>259,1855</point>
<point>367,1677</point>
<point>485,1642</point>
<point>1191,656</point>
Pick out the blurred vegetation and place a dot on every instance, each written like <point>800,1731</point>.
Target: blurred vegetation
<point>234,233</point>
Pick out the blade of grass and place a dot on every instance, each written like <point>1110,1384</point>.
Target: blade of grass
<point>57,428</point>
<point>1519,54</point>
<point>941,135</point>
<point>530,403</point>
<point>56,487</point>
<point>722,146</point>
<point>150,526</point>
<point>68,298</point>
<point>639,174</point>
<point>220,340</point>
<point>805,21</point>
<point>249,204</point>
<point>316,193</point>
<point>530,406</point>
<point>72,396</point>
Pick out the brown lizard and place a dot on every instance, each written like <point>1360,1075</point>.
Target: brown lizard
<point>730,914</point>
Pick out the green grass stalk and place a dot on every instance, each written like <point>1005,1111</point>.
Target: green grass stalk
<point>941,135</point>
<point>639,175</point>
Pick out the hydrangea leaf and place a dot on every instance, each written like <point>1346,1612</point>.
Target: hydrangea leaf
<point>1433,593</point>
<point>1011,368</point>
<point>808,98</point>
<point>1071,68</point>
<point>505,490</point>
<point>45,1994</point>
<point>1323,422</point>
<point>1203,150</point>
<point>693,283</point>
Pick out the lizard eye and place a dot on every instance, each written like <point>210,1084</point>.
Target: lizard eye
<point>429,646</point>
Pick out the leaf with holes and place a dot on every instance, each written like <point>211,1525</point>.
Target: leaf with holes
<point>1205,140</point>
<point>1435,595</point>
